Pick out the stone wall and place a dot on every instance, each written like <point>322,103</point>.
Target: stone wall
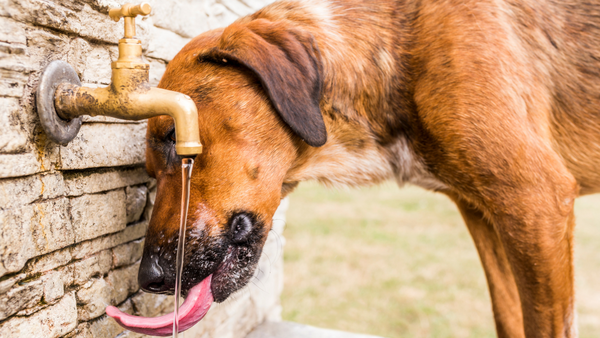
<point>73,218</point>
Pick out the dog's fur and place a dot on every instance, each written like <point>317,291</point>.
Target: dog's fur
<point>494,103</point>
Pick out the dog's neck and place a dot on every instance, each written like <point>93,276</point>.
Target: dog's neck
<point>367,97</point>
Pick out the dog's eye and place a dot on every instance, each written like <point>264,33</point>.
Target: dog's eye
<point>171,136</point>
<point>241,225</point>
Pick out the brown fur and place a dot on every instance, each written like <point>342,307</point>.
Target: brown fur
<point>494,103</point>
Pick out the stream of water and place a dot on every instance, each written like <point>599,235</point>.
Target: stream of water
<point>186,173</point>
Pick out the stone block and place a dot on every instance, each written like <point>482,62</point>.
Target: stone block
<point>20,297</point>
<point>53,286</point>
<point>239,8</point>
<point>105,145</point>
<point>165,44</point>
<point>128,253</point>
<point>13,137</point>
<point>186,18</point>
<point>15,165</point>
<point>77,55</point>
<point>124,282</point>
<point>51,322</point>
<point>94,299</point>
<point>33,230</point>
<point>43,47</point>
<point>81,21</point>
<point>17,192</point>
<point>152,305</point>
<point>157,69</point>
<point>48,262</point>
<point>219,16</point>
<point>88,182</point>
<point>8,283</point>
<point>96,68</point>
<point>12,31</point>
<point>135,202</point>
<point>92,267</point>
<point>256,4</point>
<point>130,233</point>
<point>108,327</point>
<point>98,214</point>
<point>13,78</point>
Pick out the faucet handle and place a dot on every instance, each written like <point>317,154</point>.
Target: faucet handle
<point>129,12</point>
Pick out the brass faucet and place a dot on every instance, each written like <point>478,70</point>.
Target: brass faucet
<point>61,99</point>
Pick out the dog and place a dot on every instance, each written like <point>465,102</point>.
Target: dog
<point>495,104</point>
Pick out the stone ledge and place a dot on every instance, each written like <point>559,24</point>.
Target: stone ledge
<point>294,330</point>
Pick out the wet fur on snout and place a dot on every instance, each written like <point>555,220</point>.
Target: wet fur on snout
<point>493,103</point>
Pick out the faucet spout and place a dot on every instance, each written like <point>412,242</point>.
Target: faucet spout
<point>61,99</point>
<point>72,101</point>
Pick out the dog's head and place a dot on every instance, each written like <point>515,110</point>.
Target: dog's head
<point>257,87</point>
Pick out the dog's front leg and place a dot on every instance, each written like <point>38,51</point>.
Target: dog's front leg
<point>501,282</point>
<point>538,241</point>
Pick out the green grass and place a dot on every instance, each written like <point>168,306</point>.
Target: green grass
<point>400,263</point>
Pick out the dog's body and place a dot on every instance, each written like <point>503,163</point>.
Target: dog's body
<point>494,103</point>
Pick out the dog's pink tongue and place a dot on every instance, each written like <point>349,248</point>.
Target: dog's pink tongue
<point>192,311</point>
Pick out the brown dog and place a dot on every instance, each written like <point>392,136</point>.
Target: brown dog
<point>494,103</point>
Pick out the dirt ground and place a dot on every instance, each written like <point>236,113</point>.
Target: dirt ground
<point>400,263</point>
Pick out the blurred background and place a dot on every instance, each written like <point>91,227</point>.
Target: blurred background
<point>400,263</point>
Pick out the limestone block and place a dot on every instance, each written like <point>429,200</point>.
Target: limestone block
<point>219,16</point>
<point>97,66</point>
<point>13,77</point>
<point>11,31</point>
<point>152,305</point>
<point>8,283</point>
<point>136,201</point>
<point>98,214</point>
<point>108,327</point>
<point>77,55</point>
<point>25,190</point>
<point>105,145</point>
<point>44,46</point>
<point>124,282</point>
<point>34,230</point>
<point>130,233</point>
<point>127,253</point>
<point>157,69</point>
<point>48,262</point>
<point>165,44</point>
<point>51,322</point>
<point>53,286</point>
<point>82,21</point>
<point>21,297</point>
<point>237,7</point>
<point>94,299</point>
<point>257,4</point>
<point>13,137</point>
<point>20,191</point>
<point>15,165</point>
<point>94,266</point>
<point>186,18</point>
<point>79,183</point>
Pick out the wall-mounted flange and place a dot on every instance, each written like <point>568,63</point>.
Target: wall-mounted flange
<point>58,130</point>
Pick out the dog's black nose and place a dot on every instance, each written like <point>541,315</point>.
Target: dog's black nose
<point>151,277</point>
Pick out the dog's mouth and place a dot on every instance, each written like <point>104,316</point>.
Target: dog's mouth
<point>198,300</point>
<point>194,308</point>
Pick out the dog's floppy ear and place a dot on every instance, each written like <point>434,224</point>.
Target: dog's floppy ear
<point>287,63</point>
